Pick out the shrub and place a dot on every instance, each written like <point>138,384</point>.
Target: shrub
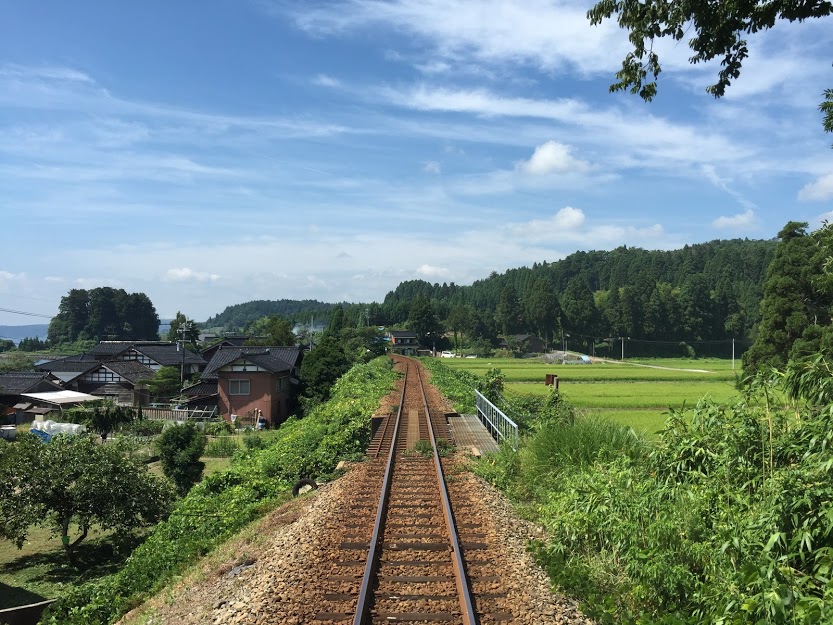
<point>220,427</point>
<point>727,519</point>
<point>180,448</point>
<point>223,447</point>
<point>144,427</point>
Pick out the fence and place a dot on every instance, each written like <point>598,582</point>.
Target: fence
<point>187,414</point>
<point>501,427</point>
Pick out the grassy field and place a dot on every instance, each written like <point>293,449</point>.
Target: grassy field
<point>635,393</point>
<point>40,571</point>
<point>523,370</point>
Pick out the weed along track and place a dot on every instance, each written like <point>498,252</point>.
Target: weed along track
<point>408,550</point>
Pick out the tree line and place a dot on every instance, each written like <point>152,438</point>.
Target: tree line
<point>101,314</point>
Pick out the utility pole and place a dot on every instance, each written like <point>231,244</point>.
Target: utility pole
<point>186,326</point>
<point>733,354</point>
<point>623,347</point>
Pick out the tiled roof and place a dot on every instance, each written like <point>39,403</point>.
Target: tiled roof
<point>111,348</point>
<point>167,354</point>
<point>201,389</point>
<point>270,358</point>
<point>81,362</point>
<point>402,334</point>
<point>19,382</point>
<point>130,370</point>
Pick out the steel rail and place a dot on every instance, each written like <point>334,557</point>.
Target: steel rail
<point>373,552</point>
<point>467,610</point>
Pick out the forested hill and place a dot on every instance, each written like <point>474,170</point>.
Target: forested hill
<point>700,293</point>
<point>707,291</point>
<point>235,317</point>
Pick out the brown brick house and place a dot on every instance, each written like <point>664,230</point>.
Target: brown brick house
<point>255,381</point>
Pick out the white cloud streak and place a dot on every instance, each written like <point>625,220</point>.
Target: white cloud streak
<point>819,190</point>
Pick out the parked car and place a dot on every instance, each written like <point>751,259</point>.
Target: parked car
<point>447,354</point>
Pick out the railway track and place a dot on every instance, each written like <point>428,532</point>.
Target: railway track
<point>401,557</point>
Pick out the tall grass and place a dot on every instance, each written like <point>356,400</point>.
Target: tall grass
<point>578,445</point>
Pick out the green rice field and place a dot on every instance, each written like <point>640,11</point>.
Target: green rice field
<point>636,393</point>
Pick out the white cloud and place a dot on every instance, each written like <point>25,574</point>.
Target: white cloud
<point>323,80</point>
<point>551,158</point>
<point>185,274</point>
<point>735,222</point>
<point>547,35</point>
<point>819,190</point>
<point>7,278</point>
<point>432,167</point>
<point>94,283</point>
<point>433,272</point>
<point>566,219</point>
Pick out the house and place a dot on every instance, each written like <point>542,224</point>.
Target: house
<point>154,354</point>
<point>529,343</point>
<point>68,369</point>
<point>228,341</point>
<point>202,395</point>
<point>403,342</point>
<point>121,381</point>
<point>254,381</point>
<point>15,384</point>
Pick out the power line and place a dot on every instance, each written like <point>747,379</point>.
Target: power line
<point>29,314</point>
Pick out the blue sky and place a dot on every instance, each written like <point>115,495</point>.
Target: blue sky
<point>214,152</point>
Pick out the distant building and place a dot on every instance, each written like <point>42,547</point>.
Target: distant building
<point>404,342</point>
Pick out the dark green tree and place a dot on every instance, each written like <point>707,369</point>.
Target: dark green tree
<point>362,344</point>
<point>458,320</point>
<point>321,368</point>
<point>190,330</point>
<point>336,322</point>
<point>165,383</point>
<point>104,417</point>
<point>33,344</point>
<point>103,314</point>
<point>796,308</point>
<point>73,482</point>
<point>180,448</point>
<point>422,319</point>
<point>509,312</point>
<point>579,307</point>
<point>271,330</point>
<point>543,310</point>
<point>713,31</point>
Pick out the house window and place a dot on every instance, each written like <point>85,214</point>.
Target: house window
<point>283,384</point>
<point>238,387</point>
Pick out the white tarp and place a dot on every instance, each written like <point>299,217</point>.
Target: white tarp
<point>61,397</point>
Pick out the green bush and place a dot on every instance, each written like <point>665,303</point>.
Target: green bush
<point>218,428</point>
<point>458,386</point>
<point>180,448</point>
<point>225,501</point>
<point>143,427</point>
<point>222,447</point>
<point>727,519</point>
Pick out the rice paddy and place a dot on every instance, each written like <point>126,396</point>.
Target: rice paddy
<point>636,393</point>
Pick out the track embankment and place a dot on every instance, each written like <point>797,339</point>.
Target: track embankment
<point>289,568</point>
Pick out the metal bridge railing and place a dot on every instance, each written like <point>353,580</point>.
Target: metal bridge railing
<point>502,428</point>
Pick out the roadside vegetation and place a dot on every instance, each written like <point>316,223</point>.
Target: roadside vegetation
<point>724,518</point>
<point>257,480</point>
